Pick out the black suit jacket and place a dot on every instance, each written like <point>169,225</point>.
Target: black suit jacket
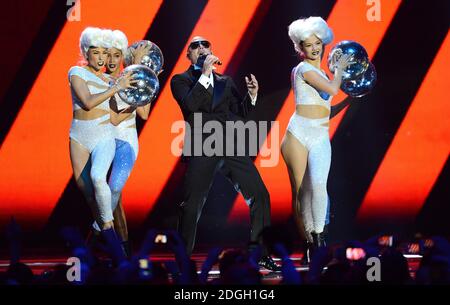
<point>225,104</point>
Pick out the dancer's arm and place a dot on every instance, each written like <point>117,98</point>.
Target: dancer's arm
<point>335,109</point>
<point>117,116</point>
<point>288,271</point>
<point>213,257</point>
<point>187,266</point>
<point>142,49</point>
<point>88,100</point>
<point>144,111</point>
<point>139,52</point>
<point>329,86</point>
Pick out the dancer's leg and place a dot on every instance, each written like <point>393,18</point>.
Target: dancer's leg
<point>306,202</point>
<point>319,161</point>
<point>123,163</point>
<point>81,166</point>
<point>101,158</point>
<point>295,155</point>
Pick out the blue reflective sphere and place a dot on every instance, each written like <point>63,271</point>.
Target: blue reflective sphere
<point>147,86</point>
<point>359,63</point>
<point>362,85</point>
<point>153,59</point>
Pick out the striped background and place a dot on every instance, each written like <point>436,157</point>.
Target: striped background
<point>390,165</point>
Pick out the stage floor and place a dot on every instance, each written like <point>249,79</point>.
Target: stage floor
<point>41,264</point>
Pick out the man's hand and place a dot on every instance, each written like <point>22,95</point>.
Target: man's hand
<point>208,65</point>
<point>252,85</point>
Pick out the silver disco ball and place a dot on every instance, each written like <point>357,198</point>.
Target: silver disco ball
<point>359,62</point>
<point>147,86</point>
<point>362,85</point>
<point>154,58</point>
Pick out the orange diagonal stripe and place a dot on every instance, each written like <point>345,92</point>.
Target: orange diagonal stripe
<point>418,152</point>
<point>34,157</point>
<point>349,22</point>
<point>223,23</point>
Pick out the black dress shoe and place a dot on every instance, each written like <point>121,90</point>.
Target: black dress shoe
<point>268,263</point>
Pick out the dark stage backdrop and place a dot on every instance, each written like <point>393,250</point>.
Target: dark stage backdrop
<point>390,165</point>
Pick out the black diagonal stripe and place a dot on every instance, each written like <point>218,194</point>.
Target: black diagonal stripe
<point>20,35</point>
<point>370,125</point>
<point>267,52</point>
<point>433,218</point>
<point>31,66</point>
<point>170,30</point>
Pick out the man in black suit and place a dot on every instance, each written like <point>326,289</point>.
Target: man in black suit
<point>206,97</point>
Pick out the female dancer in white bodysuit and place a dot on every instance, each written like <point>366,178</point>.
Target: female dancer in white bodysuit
<point>123,117</point>
<point>92,144</point>
<point>306,145</point>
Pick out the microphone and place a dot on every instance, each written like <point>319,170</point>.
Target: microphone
<point>201,61</point>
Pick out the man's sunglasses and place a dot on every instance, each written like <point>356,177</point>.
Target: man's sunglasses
<point>196,44</point>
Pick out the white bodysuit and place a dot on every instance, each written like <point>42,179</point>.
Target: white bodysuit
<point>314,136</point>
<point>97,136</point>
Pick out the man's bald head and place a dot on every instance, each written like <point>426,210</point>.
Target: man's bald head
<point>198,46</point>
<point>198,38</point>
